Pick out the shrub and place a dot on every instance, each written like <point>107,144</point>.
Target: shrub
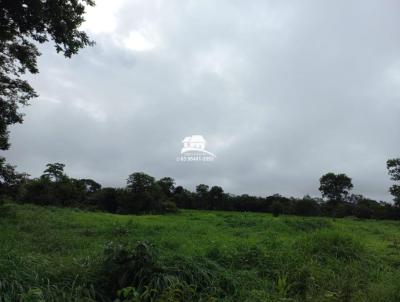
<point>169,207</point>
<point>123,267</point>
<point>363,212</point>
<point>105,199</point>
<point>137,273</point>
<point>307,207</point>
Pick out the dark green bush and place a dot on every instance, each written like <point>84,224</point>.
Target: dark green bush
<point>307,207</point>
<point>363,212</point>
<point>276,208</point>
<point>169,207</point>
<point>105,199</point>
<point>139,269</point>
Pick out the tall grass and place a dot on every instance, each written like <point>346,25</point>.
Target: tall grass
<point>51,254</point>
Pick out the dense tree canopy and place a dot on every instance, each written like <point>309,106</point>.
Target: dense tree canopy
<point>216,198</point>
<point>335,187</point>
<point>23,24</point>
<point>167,185</point>
<point>393,166</point>
<point>140,182</point>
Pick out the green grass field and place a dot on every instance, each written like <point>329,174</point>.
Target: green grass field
<point>53,254</point>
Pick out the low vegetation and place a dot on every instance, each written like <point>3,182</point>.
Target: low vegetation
<point>61,254</point>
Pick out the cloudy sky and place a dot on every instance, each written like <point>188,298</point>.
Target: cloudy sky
<point>283,91</point>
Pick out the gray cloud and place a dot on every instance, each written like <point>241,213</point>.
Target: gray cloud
<point>283,92</point>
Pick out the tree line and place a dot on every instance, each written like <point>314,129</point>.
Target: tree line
<point>145,194</point>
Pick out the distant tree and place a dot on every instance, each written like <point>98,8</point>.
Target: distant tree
<point>167,185</point>
<point>362,211</point>
<point>216,198</point>
<point>183,198</point>
<point>68,192</point>
<point>202,196</point>
<point>89,185</point>
<point>285,202</point>
<point>54,187</point>
<point>140,182</point>
<point>178,190</point>
<point>354,198</point>
<point>22,24</point>
<point>54,171</point>
<point>202,189</point>
<point>37,191</point>
<point>393,166</point>
<point>105,199</point>
<point>145,191</point>
<point>306,206</point>
<point>246,202</point>
<point>335,187</point>
<point>131,203</point>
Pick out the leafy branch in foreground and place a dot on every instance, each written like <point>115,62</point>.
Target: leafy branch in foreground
<point>23,24</point>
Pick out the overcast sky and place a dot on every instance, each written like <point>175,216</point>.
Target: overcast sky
<point>283,91</point>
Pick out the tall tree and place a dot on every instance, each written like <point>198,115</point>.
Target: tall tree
<point>54,171</point>
<point>140,182</point>
<point>144,194</point>
<point>335,187</point>
<point>167,185</point>
<point>216,197</point>
<point>393,166</point>
<point>202,191</point>
<point>23,25</point>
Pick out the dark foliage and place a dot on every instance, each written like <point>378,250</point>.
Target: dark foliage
<point>276,208</point>
<point>335,187</point>
<point>138,271</point>
<point>393,166</point>
<point>307,207</point>
<point>146,195</point>
<point>168,207</point>
<point>363,211</point>
<point>23,24</point>
<point>10,180</point>
<point>105,199</point>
